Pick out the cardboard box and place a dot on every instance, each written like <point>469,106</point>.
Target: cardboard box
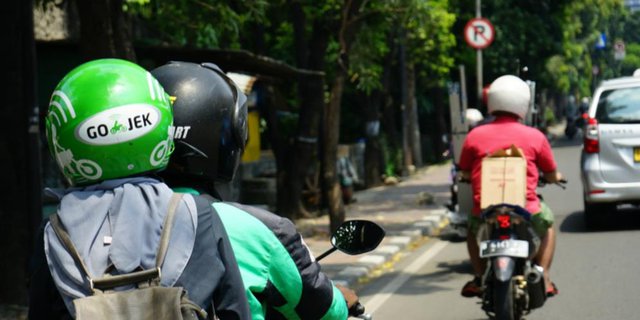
<point>504,178</point>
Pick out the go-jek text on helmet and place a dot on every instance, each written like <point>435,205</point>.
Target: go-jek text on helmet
<point>509,94</point>
<point>210,118</point>
<point>108,119</point>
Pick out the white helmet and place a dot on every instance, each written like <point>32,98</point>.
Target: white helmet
<point>510,94</point>
<point>473,116</point>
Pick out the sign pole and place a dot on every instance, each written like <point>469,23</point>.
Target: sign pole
<point>479,59</point>
<point>479,34</point>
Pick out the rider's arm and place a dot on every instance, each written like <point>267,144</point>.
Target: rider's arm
<point>319,298</point>
<point>467,156</point>
<point>465,164</point>
<point>464,175</point>
<point>296,287</point>
<point>553,176</point>
<point>546,162</point>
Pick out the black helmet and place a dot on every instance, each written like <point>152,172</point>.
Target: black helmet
<point>210,121</point>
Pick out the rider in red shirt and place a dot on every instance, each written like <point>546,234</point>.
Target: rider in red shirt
<point>509,99</point>
<point>486,139</point>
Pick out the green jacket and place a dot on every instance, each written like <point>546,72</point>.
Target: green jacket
<point>281,278</point>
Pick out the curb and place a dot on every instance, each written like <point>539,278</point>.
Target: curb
<point>429,226</point>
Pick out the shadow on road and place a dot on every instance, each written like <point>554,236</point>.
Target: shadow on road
<point>434,281</point>
<point>564,142</point>
<point>449,234</point>
<point>624,219</point>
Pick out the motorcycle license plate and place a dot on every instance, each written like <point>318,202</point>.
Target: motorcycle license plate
<point>511,248</point>
<point>636,154</point>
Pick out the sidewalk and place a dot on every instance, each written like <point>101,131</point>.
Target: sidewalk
<point>410,212</point>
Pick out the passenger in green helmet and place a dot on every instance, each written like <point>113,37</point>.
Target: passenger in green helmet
<point>281,277</point>
<point>103,124</point>
<point>109,126</point>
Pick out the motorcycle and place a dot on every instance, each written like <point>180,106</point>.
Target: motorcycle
<point>513,285</point>
<point>355,237</point>
<point>575,125</point>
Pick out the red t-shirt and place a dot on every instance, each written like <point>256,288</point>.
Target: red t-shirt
<point>501,134</point>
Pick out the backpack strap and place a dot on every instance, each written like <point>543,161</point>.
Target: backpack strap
<point>62,234</point>
<point>149,276</point>
<point>166,228</point>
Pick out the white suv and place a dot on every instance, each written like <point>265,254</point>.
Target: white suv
<point>610,161</point>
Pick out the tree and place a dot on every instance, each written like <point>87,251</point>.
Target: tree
<point>104,30</point>
<point>215,24</point>
<point>311,50</point>
<point>631,61</point>
<point>430,41</point>
<point>570,71</point>
<point>347,28</point>
<point>197,24</point>
<point>555,40</point>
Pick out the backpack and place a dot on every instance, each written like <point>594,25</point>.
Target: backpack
<point>147,300</point>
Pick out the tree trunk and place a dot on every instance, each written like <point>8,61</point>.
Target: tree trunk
<point>441,123</point>
<point>306,143</point>
<point>412,109</point>
<point>345,34</point>
<point>388,121</point>
<point>279,146</point>
<point>311,97</point>
<point>371,107</point>
<point>373,159</point>
<point>330,138</point>
<point>104,30</point>
<point>299,21</point>
<point>20,191</point>
<point>407,154</point>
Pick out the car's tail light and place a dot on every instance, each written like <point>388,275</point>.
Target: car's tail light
<point>591,137</point>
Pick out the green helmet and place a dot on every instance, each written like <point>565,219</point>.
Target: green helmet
<point>109,119</point>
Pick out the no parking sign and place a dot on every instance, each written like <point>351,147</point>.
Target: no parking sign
<point>479,33</point>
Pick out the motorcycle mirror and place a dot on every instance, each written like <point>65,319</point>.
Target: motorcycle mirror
<point>355,237</point>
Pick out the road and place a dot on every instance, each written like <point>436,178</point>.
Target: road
<point>597,272</point>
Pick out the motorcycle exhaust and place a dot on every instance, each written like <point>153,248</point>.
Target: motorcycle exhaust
<point>535,287</point>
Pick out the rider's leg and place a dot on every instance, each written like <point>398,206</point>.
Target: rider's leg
<point>473,288</point>
<point>543,224</point>
<point>545,254</point>
<point>474,254</point>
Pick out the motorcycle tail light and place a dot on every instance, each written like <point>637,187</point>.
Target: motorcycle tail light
<point>504,221</point>
<point>592,137</point>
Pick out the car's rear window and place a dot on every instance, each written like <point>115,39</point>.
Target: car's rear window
<point>619,106</point>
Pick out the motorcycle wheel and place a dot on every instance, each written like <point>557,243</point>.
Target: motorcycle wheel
<point>503,305</point>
